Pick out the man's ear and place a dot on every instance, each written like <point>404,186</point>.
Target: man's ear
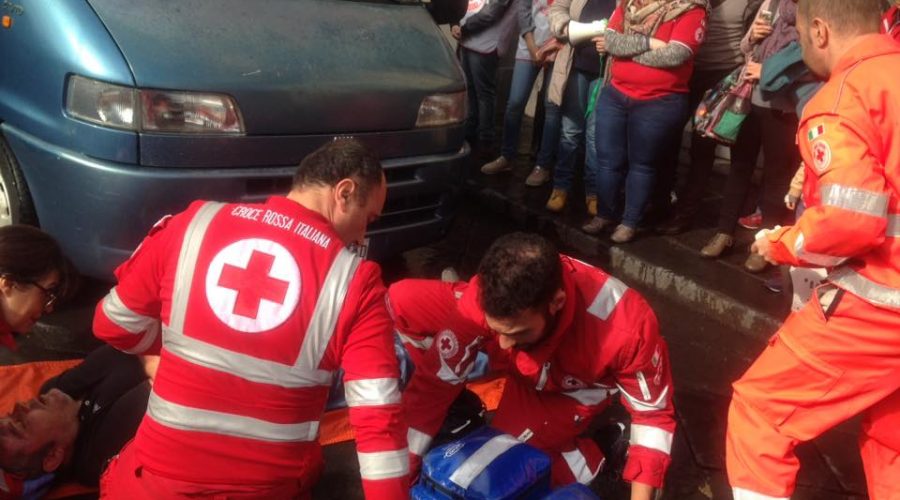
<point>558,301</point>
<point>54,458</point>
<point>820,32</point>
<point>345,192</point>
<point>6,286</point>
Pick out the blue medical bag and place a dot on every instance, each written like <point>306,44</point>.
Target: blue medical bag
<point>574,491</point>
<point>484,465</point>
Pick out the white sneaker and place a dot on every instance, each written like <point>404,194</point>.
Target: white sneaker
<point>497,166</point>
<point>538,177</point>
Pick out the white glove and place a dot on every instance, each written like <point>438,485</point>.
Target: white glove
<point>765,232</point>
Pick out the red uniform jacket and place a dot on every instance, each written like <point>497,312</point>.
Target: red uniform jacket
<point>253,307</point>
<point>605,341</point>
<point>891,22</point>
<point>11,486</point>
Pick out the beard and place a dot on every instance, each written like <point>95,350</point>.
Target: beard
<point>549,327</point>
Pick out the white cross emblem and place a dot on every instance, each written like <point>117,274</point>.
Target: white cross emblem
<point>253,285</point>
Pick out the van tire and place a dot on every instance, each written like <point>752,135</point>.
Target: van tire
<point>15,199</point>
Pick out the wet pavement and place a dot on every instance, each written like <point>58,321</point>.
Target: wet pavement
<point>714,316</point>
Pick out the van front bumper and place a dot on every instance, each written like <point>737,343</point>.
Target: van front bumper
<point>100,210</point>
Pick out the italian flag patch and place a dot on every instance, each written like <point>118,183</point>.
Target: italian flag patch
<point>816,132</point>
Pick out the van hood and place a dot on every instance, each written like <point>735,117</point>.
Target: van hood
<point>294,66</point>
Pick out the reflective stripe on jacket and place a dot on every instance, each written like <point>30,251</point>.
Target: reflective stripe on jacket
<point>253,308</point>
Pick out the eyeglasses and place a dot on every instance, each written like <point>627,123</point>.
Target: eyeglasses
<point>49,295</point>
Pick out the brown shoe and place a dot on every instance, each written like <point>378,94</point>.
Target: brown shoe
<point>538,177</point>
<point>623,234</point>
<point>717,245</point>
<point>557,200</point>
<point>755,263</point>
<point>596,225</point>
<point>591,202</point>
<point>497,166</point>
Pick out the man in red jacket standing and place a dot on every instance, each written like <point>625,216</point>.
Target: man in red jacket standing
<point>253,308</point>
<point>568,337</point>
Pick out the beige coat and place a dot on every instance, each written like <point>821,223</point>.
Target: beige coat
<point>561,12</point>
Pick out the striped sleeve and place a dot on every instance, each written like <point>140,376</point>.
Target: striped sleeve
<point>645,380</point>
<point>443,347</point>
<point>851,215</point>
<point>372,390</point>
<point>128,318</point>
<point>128,331</point>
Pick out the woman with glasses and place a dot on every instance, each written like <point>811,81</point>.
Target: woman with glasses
<point>34,274</point>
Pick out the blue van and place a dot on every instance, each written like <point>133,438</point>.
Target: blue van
<point>114,113</point>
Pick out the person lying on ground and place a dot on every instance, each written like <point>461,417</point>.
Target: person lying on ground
<point>77,423</point>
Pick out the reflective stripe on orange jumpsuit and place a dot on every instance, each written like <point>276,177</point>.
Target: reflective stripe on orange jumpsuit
<point>840,354</point>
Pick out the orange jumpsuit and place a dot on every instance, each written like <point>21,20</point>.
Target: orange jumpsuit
<point>840,355</point>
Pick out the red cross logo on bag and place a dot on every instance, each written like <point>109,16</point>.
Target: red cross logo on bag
<point>253,285</point>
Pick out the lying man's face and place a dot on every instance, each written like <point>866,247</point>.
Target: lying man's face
<point>39,434</point>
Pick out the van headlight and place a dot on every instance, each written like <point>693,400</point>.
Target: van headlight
<point>102,103</point>
<point>145,110</point>
<point>442,109</point>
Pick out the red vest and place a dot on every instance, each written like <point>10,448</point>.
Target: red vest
<point>260,305</point>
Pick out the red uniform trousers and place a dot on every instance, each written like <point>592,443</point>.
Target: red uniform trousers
<point>556,421</point>
<point>819,370</point>
<point>127,478</point>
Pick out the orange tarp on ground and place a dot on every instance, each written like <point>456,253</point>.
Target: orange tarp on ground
<point>22,382</point>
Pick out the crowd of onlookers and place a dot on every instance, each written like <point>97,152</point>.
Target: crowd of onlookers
<point>623,99</point>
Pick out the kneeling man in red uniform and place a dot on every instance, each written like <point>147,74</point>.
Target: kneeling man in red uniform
<point>568,337</point>
<point>253,307</point>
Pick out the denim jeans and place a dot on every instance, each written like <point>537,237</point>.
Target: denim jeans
<point>524,75</point>
<point>634,141</point>
<point>481,82</point>
<point>571,136</point>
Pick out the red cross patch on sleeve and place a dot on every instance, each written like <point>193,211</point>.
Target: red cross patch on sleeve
<point>821,153</point>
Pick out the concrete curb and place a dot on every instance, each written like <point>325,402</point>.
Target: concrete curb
<point>636,267</point>
<point>691,293</point>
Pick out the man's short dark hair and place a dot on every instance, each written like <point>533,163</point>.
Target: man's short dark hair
<point>519,271</point>
<point>340,159</point>
<point>845,16</point>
